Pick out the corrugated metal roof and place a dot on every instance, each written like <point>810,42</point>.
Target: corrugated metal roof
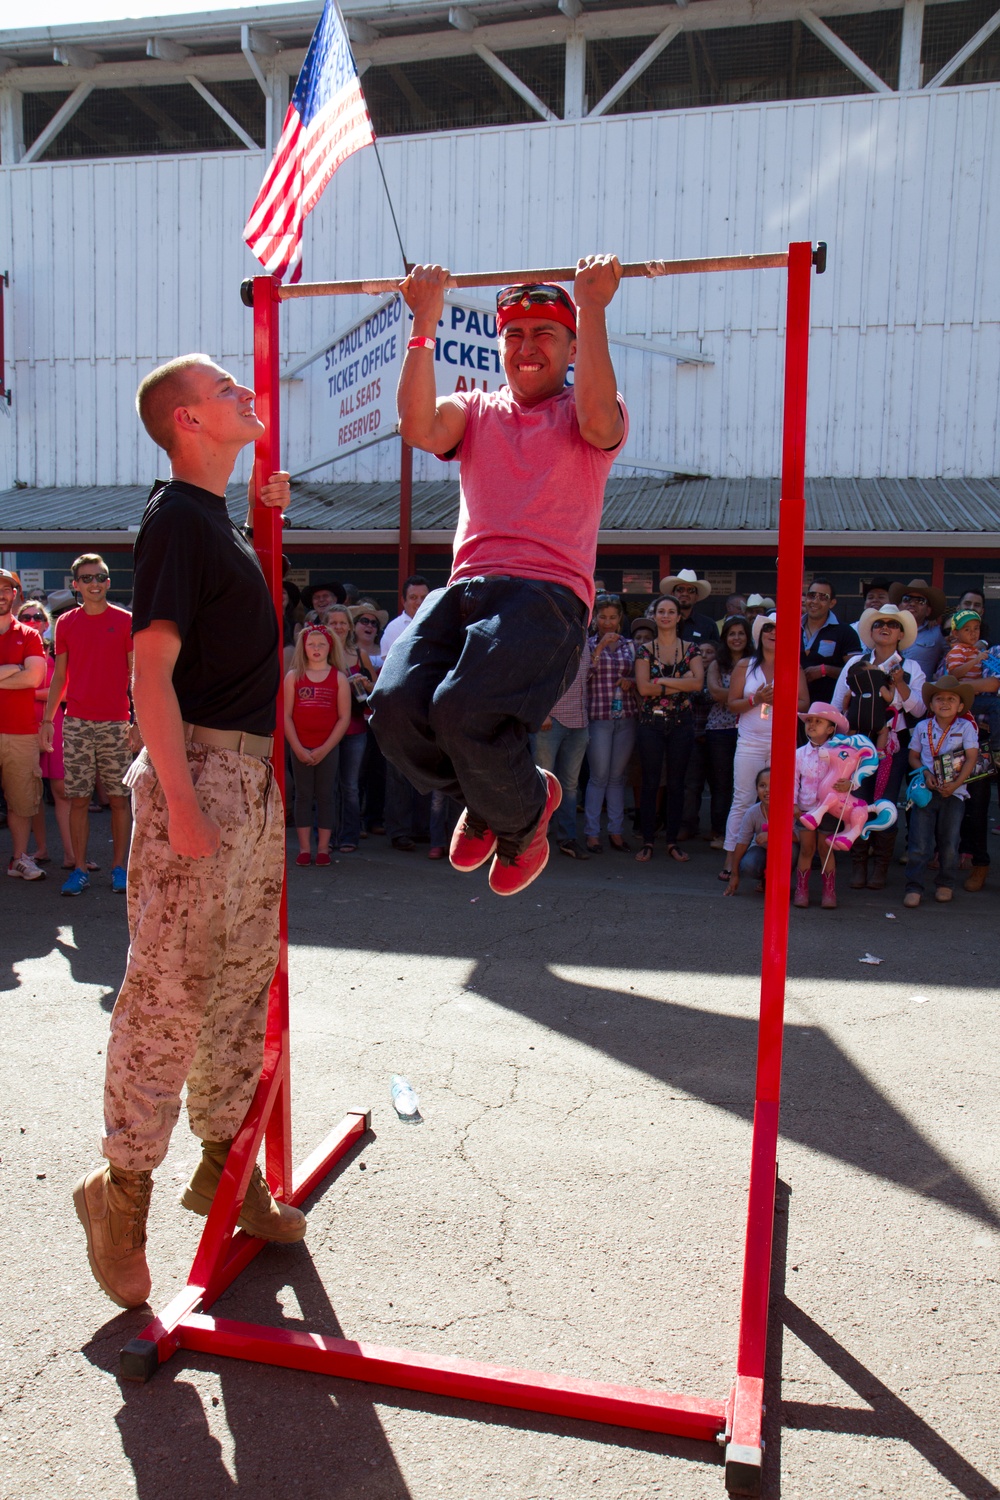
<point>865,506</point>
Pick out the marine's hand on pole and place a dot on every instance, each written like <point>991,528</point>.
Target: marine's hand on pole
<point>275,493</point>
<point>423,292</point>
<point>597,278</point>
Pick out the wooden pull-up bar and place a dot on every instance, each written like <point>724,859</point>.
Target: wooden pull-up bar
<point>647,268</point>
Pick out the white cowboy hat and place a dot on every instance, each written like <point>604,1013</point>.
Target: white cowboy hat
<point>888,612</point>
<point>758,625</point>
<point>686,575</point>
<point>756,601</point>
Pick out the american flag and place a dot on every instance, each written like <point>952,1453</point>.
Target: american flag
<point>327,121</point>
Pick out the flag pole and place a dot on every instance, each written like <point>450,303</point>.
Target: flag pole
<point>407,265</point>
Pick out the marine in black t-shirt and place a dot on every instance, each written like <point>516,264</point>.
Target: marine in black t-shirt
<point>196,569</point>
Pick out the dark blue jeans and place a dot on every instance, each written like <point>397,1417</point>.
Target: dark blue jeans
<point>352,752</point>
<point>671,740</point>
<point>938,824</point>
<point>463,688</point>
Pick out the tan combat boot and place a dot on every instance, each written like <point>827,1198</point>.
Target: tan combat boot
<point>112,1206</point>
<point>262,1215</point>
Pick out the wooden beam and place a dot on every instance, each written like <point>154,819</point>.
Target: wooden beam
<point>847,56</point>
<point>11,125</point>
<point>223,113</point>
<point>518,85</point>
<point>910,44</point>
<point>964,53</point>
<point>220,67</point>
<point>639,67</point>
<point>63,114</point>
<point>575,78</point>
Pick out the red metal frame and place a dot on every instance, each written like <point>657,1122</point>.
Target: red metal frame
<point>222,1254</point>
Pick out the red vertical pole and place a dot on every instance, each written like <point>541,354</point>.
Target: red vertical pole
<point>267,543</point>
<point>405,514</point>
<point>743,1454</point>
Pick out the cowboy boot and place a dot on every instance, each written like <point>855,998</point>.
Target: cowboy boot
<point>112,1205</point>
<point>801,897</point>
<point>883,844</point>
<point>261,1214</point>
<point>859,864</point>
<point>829,897</point>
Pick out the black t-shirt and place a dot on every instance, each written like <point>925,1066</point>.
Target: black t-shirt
<point>192,566</point>
<point>698,628</point>
<point>832,645</point>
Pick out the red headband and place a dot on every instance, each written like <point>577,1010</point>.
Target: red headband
<point>551,312</point>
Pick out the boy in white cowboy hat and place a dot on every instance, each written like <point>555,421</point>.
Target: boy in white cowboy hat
<point>688,589</point>
<point>946,746</point>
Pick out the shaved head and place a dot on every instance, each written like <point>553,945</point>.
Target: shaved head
<point>162,392</point>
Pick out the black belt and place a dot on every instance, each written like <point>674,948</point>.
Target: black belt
<point>559,589</point>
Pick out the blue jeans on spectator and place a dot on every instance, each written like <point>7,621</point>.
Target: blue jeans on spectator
<point>671,740</point>
<point>987,706</point>
<point>407,811</point>
<point>939,825</point>
<point>610,746</point>
<point>444,816</point>
<point>352,753</point>
<point>754,862</point>
<point>466,685</point>
<point>561,751</point>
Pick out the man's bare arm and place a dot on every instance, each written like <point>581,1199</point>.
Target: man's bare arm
<point>30,674</point>
<point>424,421</point>
<point>597,411</point>
<point>155,651</point>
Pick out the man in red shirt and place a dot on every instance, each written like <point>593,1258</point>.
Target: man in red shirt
<point>22,670</point>
<point>486,658</point>
<point>93,670</point>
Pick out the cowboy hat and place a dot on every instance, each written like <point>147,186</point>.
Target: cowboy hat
<point>949,684</point>
<point>332,587</point>
<point>888,612</point>
<point>756,601</point>
<point>935,597</point>
<point>827,711</point>
<point>382,615</point>
<point>12,579</point>
<point>758,626</point>
<point>689,576</point>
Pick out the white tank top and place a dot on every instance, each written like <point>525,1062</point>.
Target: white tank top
<point>755,724</point>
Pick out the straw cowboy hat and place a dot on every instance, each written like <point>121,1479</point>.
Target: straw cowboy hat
<point>888,612</point>
<point>935,597</point>
<point>758,626</point>
<point>382,615</point>
<point>827,711</point>
<point>686,575</point>
<point>948,684</point>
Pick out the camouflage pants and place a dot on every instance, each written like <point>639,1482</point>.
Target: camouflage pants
<point>203,949</point>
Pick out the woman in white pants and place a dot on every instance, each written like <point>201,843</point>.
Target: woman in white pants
<point>751,695</point>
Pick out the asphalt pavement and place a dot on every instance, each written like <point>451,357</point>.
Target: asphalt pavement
<point>574,1201</point>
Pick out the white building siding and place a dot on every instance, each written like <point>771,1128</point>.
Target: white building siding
<point>117,265</point>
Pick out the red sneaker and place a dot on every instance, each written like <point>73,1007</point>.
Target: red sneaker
<point>471,844</point>
<point>508,879</point>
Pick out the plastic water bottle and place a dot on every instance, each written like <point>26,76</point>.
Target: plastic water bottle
<point>616,702</point>
<point>404,1100</point>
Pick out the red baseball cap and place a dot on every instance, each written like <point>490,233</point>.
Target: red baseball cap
<point>539,299</point>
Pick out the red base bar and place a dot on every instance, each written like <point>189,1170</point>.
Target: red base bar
<point>649,1411</point>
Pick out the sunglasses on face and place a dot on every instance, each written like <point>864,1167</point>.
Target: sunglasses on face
<point>913,599</point>
<point>887,625</point>
<point>40,619</point>
<point>92,577</point>
<point>533,296</point>
<point>366,620</point>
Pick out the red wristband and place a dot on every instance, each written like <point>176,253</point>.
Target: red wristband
<point>421,344</point>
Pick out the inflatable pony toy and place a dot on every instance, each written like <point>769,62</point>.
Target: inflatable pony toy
<point>848,757</point>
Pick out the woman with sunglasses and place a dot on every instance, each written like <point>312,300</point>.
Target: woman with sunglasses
<point>751,695</point>
<point>465,687</point>
<point>362,676</point>
<point>51,762</point>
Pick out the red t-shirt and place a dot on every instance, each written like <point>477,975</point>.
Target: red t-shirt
<point>315,712</point>
<point>17,705</point>
<point>531,491</point>
<point>97,649</point>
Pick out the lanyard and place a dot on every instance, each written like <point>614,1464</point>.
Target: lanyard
<point>936,749</point>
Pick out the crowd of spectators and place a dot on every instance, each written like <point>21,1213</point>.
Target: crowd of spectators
<point>662,737</point>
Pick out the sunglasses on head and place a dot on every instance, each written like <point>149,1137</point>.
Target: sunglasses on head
<point>92,577</point>
<point>534,296</point>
